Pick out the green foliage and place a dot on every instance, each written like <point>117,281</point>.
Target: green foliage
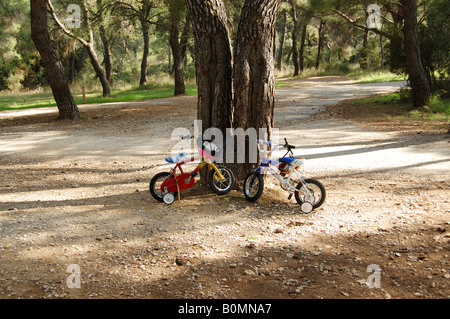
<point>398,107</point>
<point>20,66</point>
<point>434,37</point>
<point>439,105</point>
<point>379,76</point>
<point>13,56</point>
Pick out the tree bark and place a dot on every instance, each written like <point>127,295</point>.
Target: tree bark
<point>302,49</point>
<point>177,50</point>
<point>145,35</point>
<point>416,72</point>
<point>184,39</point>
<point>213,62</point>
<point>101,74</point>
<point>71,73</point>
<point>295,33</point>
<point>107,55</point>
<point>254,70</point>
<point>251,78</point>
<point>320,44</point>
<point>177,61</point>
<point>51,61</point>
<point>364,54</point>
<point>283,34</point>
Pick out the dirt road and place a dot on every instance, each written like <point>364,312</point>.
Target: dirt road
<point>77,194</point>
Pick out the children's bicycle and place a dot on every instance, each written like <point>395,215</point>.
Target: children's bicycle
<point>309,193</point>
<point>165,186</point>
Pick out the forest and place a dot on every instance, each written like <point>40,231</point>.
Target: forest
<point>120,45</point>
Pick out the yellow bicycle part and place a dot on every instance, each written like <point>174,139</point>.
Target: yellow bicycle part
<point>213,166</point>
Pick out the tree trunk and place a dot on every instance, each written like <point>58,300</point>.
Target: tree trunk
<point>213,62</point>
<point>364,54</point>
<point>253,72</point>
<point>98,69</point>
<point>320,44</point>
<point>107,56</point>
<point>295,32</point>
<point>252,77</point>
<point>106,44</point>
<point>51,61</point>
<point>184,39</point>
<point>381,52</point>
<point>71,73</point>
<point>283,34</point>
<point>302,49</point>
<point>288,58</point>
<point>177,52</point>
<point>416,72</point>
<point>145,35</point>
<point>177,59</point>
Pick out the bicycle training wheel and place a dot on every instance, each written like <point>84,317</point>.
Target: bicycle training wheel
<point>316,189</point>
<point>253,187</point>
<point>155,185</point>
<point>219,186</point>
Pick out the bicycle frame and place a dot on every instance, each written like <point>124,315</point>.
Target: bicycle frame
<point>266,165</point>
<point>285,181</point>
<point>205,161</point>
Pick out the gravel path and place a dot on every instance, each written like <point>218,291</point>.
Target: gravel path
<point>77,194</point>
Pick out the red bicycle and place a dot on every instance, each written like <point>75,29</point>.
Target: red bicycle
<point>165,186</point>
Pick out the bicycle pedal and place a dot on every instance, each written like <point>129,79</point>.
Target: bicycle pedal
<point>290,196</point>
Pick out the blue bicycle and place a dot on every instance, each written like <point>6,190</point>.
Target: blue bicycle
<point>309,193</point>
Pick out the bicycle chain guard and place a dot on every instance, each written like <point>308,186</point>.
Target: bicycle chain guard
<point>185,181</point>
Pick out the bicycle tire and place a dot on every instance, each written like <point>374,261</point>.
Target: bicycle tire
<point>152,183</point>
<point>317,203</point>
<point>259,186</point>
<point>230,177</point>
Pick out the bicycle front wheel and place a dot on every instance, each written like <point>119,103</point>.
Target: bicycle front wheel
<point>218,185</point>
<point>253,186</point>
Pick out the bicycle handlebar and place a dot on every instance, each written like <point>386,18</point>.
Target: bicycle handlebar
<point>274,145</point>
<point>287,145</point>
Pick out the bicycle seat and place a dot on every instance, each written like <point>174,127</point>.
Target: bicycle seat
<point>292,161</point>
<point>175,160</point>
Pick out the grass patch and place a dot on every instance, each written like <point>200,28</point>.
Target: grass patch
<point>350,71</point>
<point>397,112</point>
<point>26,100</point>
<point>376,77</point>
<point>281,84</point>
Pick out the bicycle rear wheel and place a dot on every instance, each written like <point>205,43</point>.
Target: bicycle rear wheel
<point>316,189</point>
<point>155,185</point>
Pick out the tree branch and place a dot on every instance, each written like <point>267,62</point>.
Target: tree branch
<point>361,26</point>
<point>62,26</point>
